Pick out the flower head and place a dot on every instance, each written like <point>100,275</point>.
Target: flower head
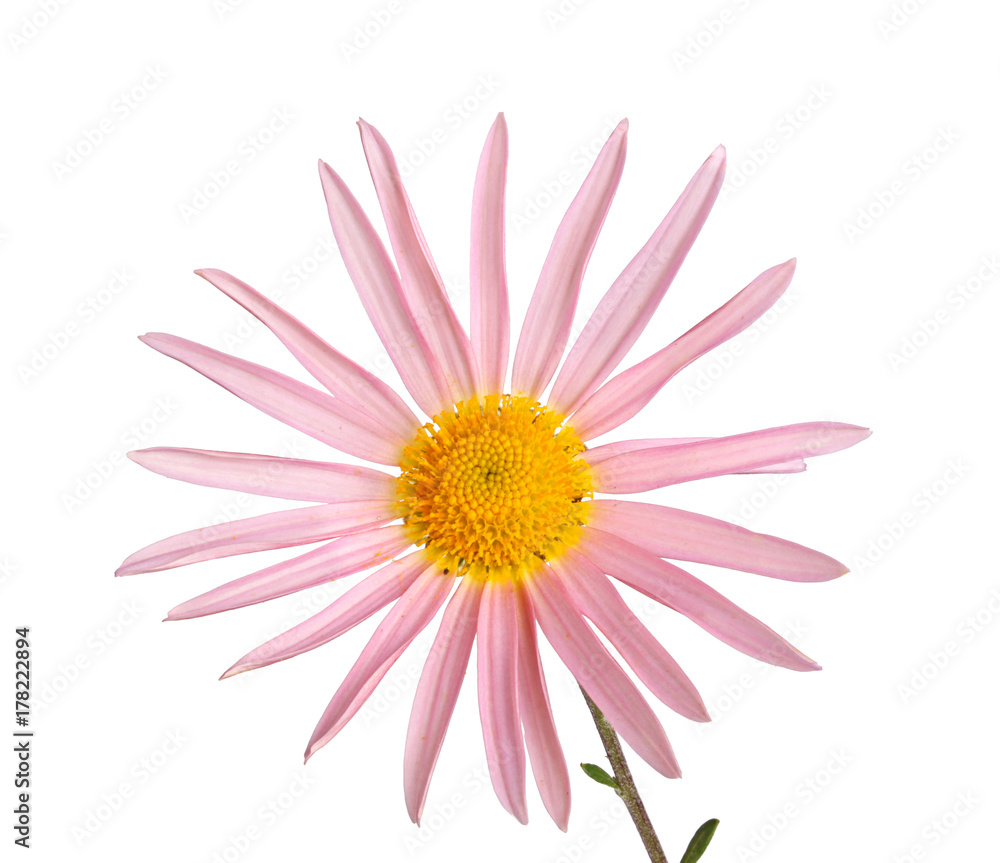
<point>497,511</point>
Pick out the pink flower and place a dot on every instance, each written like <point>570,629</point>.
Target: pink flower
<point>496,491</point>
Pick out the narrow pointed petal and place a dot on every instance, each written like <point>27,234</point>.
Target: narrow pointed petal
<point>437,692</point>
<point>488,274</point>
<point>364,692</point>
<point>627,393</point>
<point>289,478</point>
<point>597,672</point>
<point>548,764</point>
<point>680,535</point>
<point>421,281</point>
<point>292,402</point>
<point>498,695</point>
<point>404,622</point>
<point>381,294</point>
<point>684,593</point>
<point>646,469</point>
<point>341,376</point>
<point>359,603</point>
<point>597,454</point>
<point>597,598</point>
<point>550,314</point>
<point>283,529</point>
<point>626,308</point>
<point>343,556</point>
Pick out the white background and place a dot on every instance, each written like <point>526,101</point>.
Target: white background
<point>888,754</point>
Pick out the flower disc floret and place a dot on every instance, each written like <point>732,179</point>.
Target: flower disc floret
<point>494,486</point>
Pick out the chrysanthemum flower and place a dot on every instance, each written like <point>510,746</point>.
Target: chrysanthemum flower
<point>497,491</point>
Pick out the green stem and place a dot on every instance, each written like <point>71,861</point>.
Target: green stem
<point>626,784</point>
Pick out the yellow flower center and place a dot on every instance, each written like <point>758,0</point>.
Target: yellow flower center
<point>494,486</point>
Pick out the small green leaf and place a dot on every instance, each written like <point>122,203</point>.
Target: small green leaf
<point>599,774</point>
<point>699,842</point>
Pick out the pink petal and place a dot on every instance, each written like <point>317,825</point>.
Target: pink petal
<point>498,701</point>
<point>317,414</point>
<point>598,673</point>
<point>341,376</point>
<point>421,281</point>
<point>338,558</point>
<point>290,478</point>
<point>359,603</point>
<point>682,592</point>
<point>626,394</point>
<point>381,294</point>
<point>795,465</point>
<point>550,314</point>
<point>597,454</point>
<point>283,529</point>
<point>626,308</point>
<point>681,535</point>
<point>488,274</point>
<point>547,761</point>
<point>595,596</point>
<point>364,692</point>
<point>437,692</point>
<point>404,622</point>
<point>646,469</point>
